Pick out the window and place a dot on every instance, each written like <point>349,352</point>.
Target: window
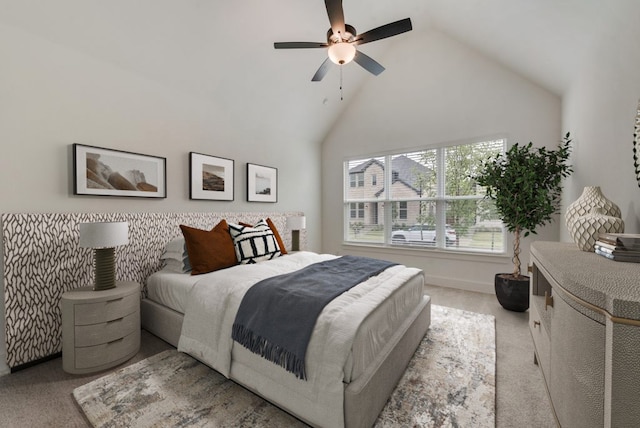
<point>423,198</point>
<point>402,210</point>
<point>357,179</point>
<point>357,210</point>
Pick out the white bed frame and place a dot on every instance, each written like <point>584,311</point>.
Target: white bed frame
<point>364,397</point>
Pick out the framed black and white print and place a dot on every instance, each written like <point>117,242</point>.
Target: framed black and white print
<point>262,183</point>
<point>211,177</point>
<point>108,172</point>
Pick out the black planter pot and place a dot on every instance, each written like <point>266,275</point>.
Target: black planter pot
<point>513,294</point>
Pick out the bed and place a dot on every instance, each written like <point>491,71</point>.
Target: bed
<point>359,348</point>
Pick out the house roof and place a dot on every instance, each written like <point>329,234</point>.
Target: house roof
<point>363,166</point>
<point>403,170</point>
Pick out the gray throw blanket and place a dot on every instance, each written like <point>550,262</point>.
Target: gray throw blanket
<point>277,315</point>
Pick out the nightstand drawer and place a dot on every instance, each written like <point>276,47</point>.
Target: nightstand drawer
<point>120,349</point>
<point>96,334</point>
<point>100,329</point>
<point>108,310</point>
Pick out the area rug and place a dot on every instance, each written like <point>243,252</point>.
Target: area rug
<point>450,382</point>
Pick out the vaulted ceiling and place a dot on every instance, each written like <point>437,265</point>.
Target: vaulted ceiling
<point>222,52</point>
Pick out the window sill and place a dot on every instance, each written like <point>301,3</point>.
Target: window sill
<point>430,252</point>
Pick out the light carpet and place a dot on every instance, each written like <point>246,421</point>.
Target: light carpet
<point>449,382</point>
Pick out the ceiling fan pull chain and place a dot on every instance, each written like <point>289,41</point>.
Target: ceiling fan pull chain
<point>341,98</point>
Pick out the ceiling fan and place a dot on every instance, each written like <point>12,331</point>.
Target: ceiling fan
<point>342,40</point>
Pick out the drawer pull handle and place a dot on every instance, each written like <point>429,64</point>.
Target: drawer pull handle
<point>115,300</point>
<point>114,341</point>
<point>536,324</point>
<point>548,300</point>
<point>115,320</point>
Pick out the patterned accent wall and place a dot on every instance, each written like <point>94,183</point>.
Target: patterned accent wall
<point>42,260</point>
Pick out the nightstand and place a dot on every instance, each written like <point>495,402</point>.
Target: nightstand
<point>100,329</point>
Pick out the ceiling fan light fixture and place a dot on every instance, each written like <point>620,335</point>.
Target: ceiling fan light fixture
<point>342,52</point>
<point>342,40</point>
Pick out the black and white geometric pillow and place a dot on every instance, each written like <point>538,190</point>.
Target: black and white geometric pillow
<point>254,244</point>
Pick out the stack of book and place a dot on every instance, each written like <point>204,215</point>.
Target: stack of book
<point>621,247</point>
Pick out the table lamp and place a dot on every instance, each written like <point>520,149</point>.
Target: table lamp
<point>103,237</point>
<point>296,224</point>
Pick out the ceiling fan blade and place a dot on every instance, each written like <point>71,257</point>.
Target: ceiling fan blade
<point>388,30</point>
<point>322,71</point>
<point>336,15</point>
<point>368,63</point>
<point>299,45</point>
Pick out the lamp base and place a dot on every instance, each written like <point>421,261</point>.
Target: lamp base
<point>105,269</point>
<point>295,240</point>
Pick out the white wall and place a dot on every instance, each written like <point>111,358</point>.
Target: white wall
<point>600,108</point>
<point>436,90</point>
<point>90,73</point>
<point>69,82</point>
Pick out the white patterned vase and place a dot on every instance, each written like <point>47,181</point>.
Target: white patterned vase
<point>591,197</point>
<point>587,228</point>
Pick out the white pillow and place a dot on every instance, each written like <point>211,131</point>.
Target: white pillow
<point>254,244</point>
<point>172,265</point>
<point>175,257</point>
<point>176,245</point>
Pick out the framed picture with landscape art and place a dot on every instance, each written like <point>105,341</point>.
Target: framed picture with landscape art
<point>108,172</point>
<point>262,183</point>
<point>211,177</point>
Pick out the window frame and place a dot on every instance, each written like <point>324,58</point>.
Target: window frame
<point>440,200</point>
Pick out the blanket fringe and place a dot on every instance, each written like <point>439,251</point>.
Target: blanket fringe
<point>268,350</point>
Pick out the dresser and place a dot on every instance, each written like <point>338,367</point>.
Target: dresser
<point>584,319</point>
<point>100,329</point>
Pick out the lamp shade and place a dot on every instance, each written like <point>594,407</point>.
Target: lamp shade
<point>297,223</point>
<point>342,52</point>
<point>104,234</point>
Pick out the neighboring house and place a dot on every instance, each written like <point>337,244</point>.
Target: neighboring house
<point>366,182</point>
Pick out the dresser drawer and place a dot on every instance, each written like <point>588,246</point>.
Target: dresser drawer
<point>105,354</point>
<point>96,334</point>
<point>108,310</point>
<point>541,340</point>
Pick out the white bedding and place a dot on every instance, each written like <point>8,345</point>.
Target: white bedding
<point>210,311</point>
<point>171,289</point>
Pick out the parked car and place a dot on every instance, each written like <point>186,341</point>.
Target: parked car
<point>422,234</point>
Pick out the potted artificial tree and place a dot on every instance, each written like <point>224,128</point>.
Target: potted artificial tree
<point>526,185</point>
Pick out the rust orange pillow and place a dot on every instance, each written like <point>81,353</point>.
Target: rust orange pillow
<point>209,250</point>
<point>277,236</point>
